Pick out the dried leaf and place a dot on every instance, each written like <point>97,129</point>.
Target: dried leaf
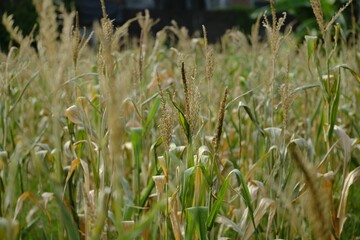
<point>128,225</point>
<point>22,199</point>
<point>345,143</point>
<point>73,114</point>
<point>350,179</point>
<point>47,196</point>
<point>160,182</point>
<point>228,222</point>
<point>327,186</point>
<point>254,188</point>
<point>74,164</point>
<point>174,217</point>
<point>244,193</point>
<point>264,205</point>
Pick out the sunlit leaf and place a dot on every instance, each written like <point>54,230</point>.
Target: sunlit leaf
<point>160,182</point>
<point>73,114</point>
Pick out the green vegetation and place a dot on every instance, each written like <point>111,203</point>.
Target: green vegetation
<point>170,137</point>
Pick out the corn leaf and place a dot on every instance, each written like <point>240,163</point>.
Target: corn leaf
<point>228,223</point>
<point>145,221</point>
<point>345,66</point>
<point>183,121</point>
<point>73,114</point>
<point>21,200</point>
<point>187,189</point>
<point>196,221</point>
<point>334,106</point>
<point>205,174</point>
<point>174,218</point>
<point>218,203</point>
<point>353,176</point>
<point>305,87</point>
<point>345,143</point>
<point>311,47</point>
<point>153,110</point>
<point>136,140</point>
<point>9,229</point>
<point>67,219</point>
<point>264,205</point>
<point>242,95</point>
<point>23,91</point>
<point>74,164</point>
<point>254,167</point>
<point>252,117</point>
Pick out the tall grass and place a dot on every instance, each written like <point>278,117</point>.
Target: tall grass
<point>171,137</point>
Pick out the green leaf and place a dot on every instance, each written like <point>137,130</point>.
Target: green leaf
<point>242,95</point>
<point>334,107</point>
<point>205,174</point>
<point>67,218</point>
<point>187,187</point>
<point>345,66</point>
<point>305,87</point>
<point>152,112</point>
<point>218,203</point>
<point>136,140</point>
<point>184,123</point>
<point>145,221</point>
<point>187,190</point>
<point>252,117</point>
<point>195,220</point>
<point>257,164</point>
<point>23,91</point>
<point>311,47</point>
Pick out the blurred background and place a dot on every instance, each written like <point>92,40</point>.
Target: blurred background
<point>216,15</point>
